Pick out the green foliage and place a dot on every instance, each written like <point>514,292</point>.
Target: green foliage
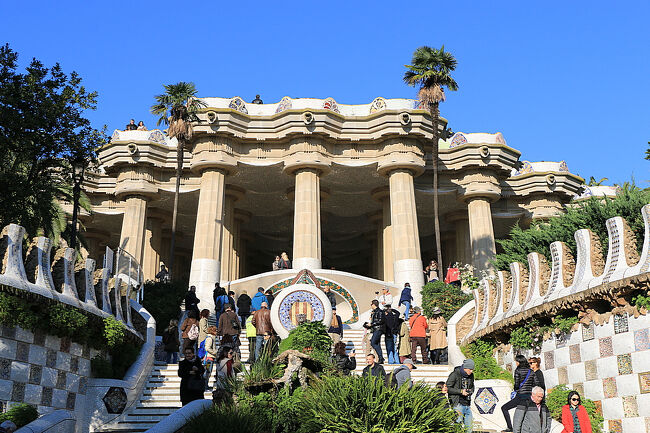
<point>42,131</point>
<point>21,414</point>
<point>67,322</point>
<point>15,311</point>
<point>162,300</point>
<point>308,335</point>
<point>431,67</point>
<point>231,419</point>
<point>444,296</point>
<point>587,214</point>
<point>641,301</point>
<point>558,398</point>
<point>262,370</point>
<point>564,324</point>
<point>114,332</point>
<point>101,367</point>
<point>521,338</point>
<point>531,334</point>
<point>486,366</point>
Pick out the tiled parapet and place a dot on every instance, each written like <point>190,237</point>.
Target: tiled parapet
<point>643,264</point>
<point>519,288</point>
<point>538,282</point>
<point>590,263</point>
<point>562,271</point>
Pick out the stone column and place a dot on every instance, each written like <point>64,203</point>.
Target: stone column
<point>306,223</point>
<point>385,234</point>
<point>152,248</point>
<point>461,236</point>
<point>227,239</point>
<point>407,265</point>
<point>481,232</point>
<point>206,259</point>
<point>378,245</point>
<point>133,226</point>
<point>236,268</point>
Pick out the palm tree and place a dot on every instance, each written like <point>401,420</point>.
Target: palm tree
<point>177,108</point>
<point>430,69</point>
<point>594,182</point>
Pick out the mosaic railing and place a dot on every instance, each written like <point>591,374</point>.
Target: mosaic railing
<point>62,278</point>
<point>526,289</point>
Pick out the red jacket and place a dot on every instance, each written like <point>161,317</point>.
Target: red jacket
<point>419,326</point>
<point>583,419</point>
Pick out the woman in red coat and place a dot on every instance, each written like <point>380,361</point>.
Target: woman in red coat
<point>574,415</point>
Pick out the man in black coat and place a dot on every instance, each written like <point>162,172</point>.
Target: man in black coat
<point>244,307</point>
<point>460,387</point>
<point>373,369</point>
<point>392,329</point>
<point>378,327</point>
<point>191,301</point>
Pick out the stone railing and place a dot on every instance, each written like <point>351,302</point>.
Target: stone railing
<point>543,288</point>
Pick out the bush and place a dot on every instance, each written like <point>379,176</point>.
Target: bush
<point>557,398</point>
<point>15,311</point>
<point>163,301</point>
<point>486,366</point>
<point>231,419</point>
<point>308,335</point>
<point>641,301</point>
<point>21,414</point>
<point>67,322</point>
<point>520,338</point>
<point>114,332</point>
<point>101,367</point>
<point>590,214</point>
<point>447,297</point>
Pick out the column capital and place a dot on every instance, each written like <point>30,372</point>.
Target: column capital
<point>242,215</point>
<point>235,193</point>
<point>458,215</point>
<point>297,163</point>
<point>135,180</point>
<point>479,184</point>
<point>324,193</point>
<point>380,194</point>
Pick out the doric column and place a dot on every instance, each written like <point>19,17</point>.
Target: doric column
<point>382,195</point>
<point>152,248</point>
<point>206,255</point>
<point>133,226</point>
<point>378,245</point>
<point>306,222</point>
<point>461,230</point>
<point>240,217</point>
<point>233,194</point>
<point>481,232</point>
<point>407,264</point>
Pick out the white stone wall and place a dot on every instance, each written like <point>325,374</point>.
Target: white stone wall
<point>607,363</point>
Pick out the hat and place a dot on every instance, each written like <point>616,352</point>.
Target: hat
<point>436,311</point>
<point>333,307</point>
<point>386,305</point>
<point>408,361</point>
<point>468,363</point>
<point>407,285</point>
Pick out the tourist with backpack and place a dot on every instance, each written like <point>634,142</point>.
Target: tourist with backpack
<point>171,343</point>
<point>402,374</point>
<point>229,328</point>
<point>256,302</point>
<point>190,330</point>
<point>220,300</point>
<point>208,352</point>
<point>524,380</point>
<point>392,329</point>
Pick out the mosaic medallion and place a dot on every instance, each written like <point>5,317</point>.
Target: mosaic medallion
<point>457,140</point>
<point>238,104</point>
<point>605,345</point>
<point>615,426</point>
<point>620,323</point>
<point>609,387</point>
<point>588,331</point>
<point>486,400</point>
<point>285,104</point>
<point>644,382</point>
<point>300,303</point>
<point>377,105</point>
<point>630,407</point>
<point>115,400</point>
<point>641,340</point>
<point>624,364</point>
<point>156,136</point>
<point>330,104</point>
<point>526,167</point>
<point>564,167</point>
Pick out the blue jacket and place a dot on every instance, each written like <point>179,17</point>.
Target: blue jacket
<point>405,296</point>
<point>256,303</point>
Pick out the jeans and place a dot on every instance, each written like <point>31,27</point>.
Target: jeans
<point>375,343</point>
<point>171,357</point>
<point>407,304</point>
<point>252,341</point>
<point>259,344</point>
<point>464,416</point>
<point>243,317</point>
<point>390,348</point>
<point>511,405</point>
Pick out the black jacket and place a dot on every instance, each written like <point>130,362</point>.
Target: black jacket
<point>244,304</point>
<point>456,382</point>
<point>344,363</point>
<point>538,380</point>
<point>392,321</point>
<point>191,301</point>
<point>520,376</point>
<point>378,320</point>
<point>331,298</point>
<point>377,370</point>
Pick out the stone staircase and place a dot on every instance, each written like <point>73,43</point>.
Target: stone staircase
<point>161,395</point>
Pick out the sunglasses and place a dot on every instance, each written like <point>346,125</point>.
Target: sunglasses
<point>575,399</point>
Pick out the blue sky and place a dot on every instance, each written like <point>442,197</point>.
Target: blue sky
<point>561,80</point>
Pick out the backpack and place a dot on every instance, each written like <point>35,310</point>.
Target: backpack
<point>391,379</point>
<point>201,352</point>
<point>236,324</point>
<point>193,333</point>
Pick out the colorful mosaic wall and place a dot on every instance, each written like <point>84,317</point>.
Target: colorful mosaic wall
<point>304,278</point>
<point>607,363</point>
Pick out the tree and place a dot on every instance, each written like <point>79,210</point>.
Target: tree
<point>42,130</point>
<point>177,108</point>
<point>430,69</point>
<point>594,182</point>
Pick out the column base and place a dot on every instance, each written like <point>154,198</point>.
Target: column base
<point>410,271</point>
<point>310,263</point>
<point>204,273</point>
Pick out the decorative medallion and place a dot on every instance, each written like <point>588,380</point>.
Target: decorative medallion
<point>644,382</point>
<point>116,135</point>
<point>377,105</point>
<point>486,400</point>
<point>298,303</point>
<point>115,400</point>
<point>330,104</point>
<point>624,363</point>
<point>285,104</point>
<point>500,139</point>
<point>564,167</point>
<point>620,323</point>
<point>156,136</point>
<point>526,167</point>
<point>238,104</point>
<point>458,140</point>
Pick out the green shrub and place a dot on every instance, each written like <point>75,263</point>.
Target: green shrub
<point>557,398</point>
<point>231,419</point>
<point>67,322</point>
<point>308,335</point>
<point>21,414</point>
<point>163,301</point>
<point>521,338</point>
<point>641,301</point>
<point>447,297</point>
<point>15,311</point>
<point>101,367</point>
<point>486,366</point>
<point>588,214</point>
<point>114,332</point>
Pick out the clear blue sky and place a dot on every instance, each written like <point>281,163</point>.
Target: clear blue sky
<point>560,79</point>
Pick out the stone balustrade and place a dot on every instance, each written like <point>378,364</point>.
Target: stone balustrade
<point>534,289</point>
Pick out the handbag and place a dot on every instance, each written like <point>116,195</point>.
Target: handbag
<point>513,394</point>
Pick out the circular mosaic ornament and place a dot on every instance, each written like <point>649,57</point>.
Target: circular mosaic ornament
<point>296,303</point>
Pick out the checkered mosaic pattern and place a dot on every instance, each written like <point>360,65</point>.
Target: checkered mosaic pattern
<point>609,364</point>
<point>45,371</point>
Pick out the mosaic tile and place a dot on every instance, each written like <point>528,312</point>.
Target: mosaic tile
<point>574,353</point>
<point>5,369</point>
<point>609,387</point>
<point>46,396</point>
<point>615,426</point>
<point>35,374</point>
<point>65,344</point>
<point>630,408</point>
<point>86,352</point>
<point>624,364</point>
<point>647,424</point>
<point>644,382</point>
<point>22,351</point>
<point>9,332</point>
<point>579,387</point>
<point>39,337</point>
<point>641,340</point>
<point>605,345</point>
<point>620,323</point>
<point>599,406</point>
<point>562,376</point>
<point>83,385</point>
<point>561,340</point>
<point>18,392</point>
<point>591,370</point>
<point>509,368</point>
<point>50,358</point>
<point>549,360</point>
<point>60,380</point>
<point>70,401</point>
<point>588,332</point>
<point>486,400</point>
<point>74,364</point>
